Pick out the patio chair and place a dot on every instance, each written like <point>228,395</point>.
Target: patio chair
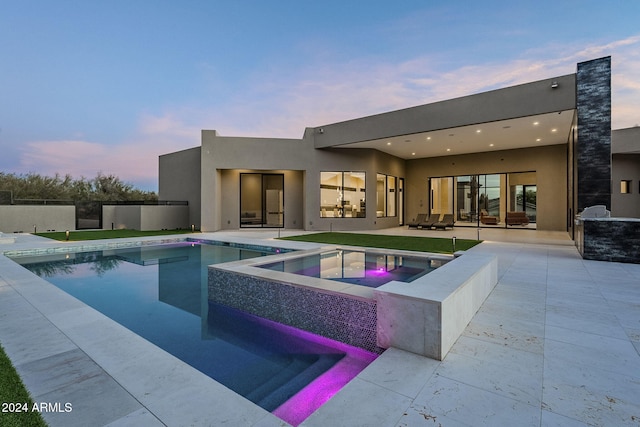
<point>447,221</point>
<point>422,217</point>
<point>427,224</point>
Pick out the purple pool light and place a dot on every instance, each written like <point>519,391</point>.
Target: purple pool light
<point>319,391</point>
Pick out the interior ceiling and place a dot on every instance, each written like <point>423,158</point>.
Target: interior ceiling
<point>532,131</point>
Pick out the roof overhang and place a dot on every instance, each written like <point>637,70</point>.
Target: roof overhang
<point>528,115</point>
<point>524,132</point>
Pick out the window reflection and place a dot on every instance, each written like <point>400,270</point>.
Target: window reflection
<point>386,195</point>
<point>342,194</point>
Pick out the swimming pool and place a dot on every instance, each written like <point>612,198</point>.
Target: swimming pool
<point>159,292</point>
<point>372,269</point>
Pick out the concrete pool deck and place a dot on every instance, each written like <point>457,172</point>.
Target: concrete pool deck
<point>557,342</point>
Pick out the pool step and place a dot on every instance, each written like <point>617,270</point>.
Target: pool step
<point>281,387</point>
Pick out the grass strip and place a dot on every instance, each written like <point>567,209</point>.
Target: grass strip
<point>408,243</point>
<point>108,234</point>
<point>16,404</point>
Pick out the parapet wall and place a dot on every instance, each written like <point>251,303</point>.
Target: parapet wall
<point>37,218</point>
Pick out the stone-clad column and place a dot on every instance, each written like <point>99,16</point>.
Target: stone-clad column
<point>593,154</point>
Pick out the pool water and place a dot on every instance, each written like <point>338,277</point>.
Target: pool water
<point>358,267</point>
<point>160,293</point>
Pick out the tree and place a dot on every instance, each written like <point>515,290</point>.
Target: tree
<point>101,188</point>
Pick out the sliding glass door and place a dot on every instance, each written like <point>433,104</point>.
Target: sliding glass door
<point>261,200</point>
<point>489,200</point>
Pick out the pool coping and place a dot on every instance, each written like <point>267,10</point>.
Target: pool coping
<point>251,267</point>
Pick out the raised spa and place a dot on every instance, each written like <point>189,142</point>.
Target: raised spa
<point>372,269</point>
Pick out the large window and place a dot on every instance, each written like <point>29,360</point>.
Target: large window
<point>523,194</point>
<point>491,200</point>
<point>342,194</point>
<point>386,195</point>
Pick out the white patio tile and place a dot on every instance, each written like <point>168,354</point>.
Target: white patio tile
<point>551,419</point>
<point>140,417</point>
<point>508,372</point>
<point>583,349</point>
<point>515,333</point>
<point>571,300</point>
<point>419,417</point>
<point>400,371</point>
<point>588,394</point>
<point>473,406</point>
<point>601,322</point>
<point>360,403</point>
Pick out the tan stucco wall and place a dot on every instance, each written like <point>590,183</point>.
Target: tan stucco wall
<point>351,160</point>
<point>223,158</point>
<point>26,218</point>
<point>179,179</point>
<point>549,163</point>
<point>220,194</point>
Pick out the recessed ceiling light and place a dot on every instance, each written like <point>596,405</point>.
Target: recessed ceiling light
<point>536,123</point>
<point>478,131</point>
<point>428,138</point>
<point>388,143</point>
<point>490,145</point>
<point>448,149</point>
<point>537,139</point>
<point>554,130</point>
<point>413,154</point>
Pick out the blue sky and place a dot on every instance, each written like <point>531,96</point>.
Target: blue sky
<point>96,86</point>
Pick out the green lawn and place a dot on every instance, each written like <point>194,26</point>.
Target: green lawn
<point>12,391</point>
<point>108,234</point>
<point>409,243</point>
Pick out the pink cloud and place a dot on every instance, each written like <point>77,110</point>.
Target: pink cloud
<point>282,105</point>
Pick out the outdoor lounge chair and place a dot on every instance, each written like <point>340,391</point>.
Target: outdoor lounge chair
<point>447,221</point>
<point>427,224</point>
<point>422,217</point>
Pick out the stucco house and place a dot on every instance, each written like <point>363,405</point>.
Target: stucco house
<point>543,151</point>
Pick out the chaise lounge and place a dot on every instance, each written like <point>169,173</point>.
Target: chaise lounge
<point>447,221</point>
<point>433,218</point>
<point>421,218</point>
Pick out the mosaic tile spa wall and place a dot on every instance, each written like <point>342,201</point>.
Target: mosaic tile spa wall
<point>339,317</point>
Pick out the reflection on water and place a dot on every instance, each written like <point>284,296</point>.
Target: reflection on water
<point>66,264</point>
<point>358,267</point>
<point>160,293</point>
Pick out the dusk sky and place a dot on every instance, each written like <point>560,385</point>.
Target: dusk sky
<point>97,86</point>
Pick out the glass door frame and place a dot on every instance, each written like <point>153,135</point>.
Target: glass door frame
<point>400,201</point>
<point>480,198</point>
<point>248,217</point>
